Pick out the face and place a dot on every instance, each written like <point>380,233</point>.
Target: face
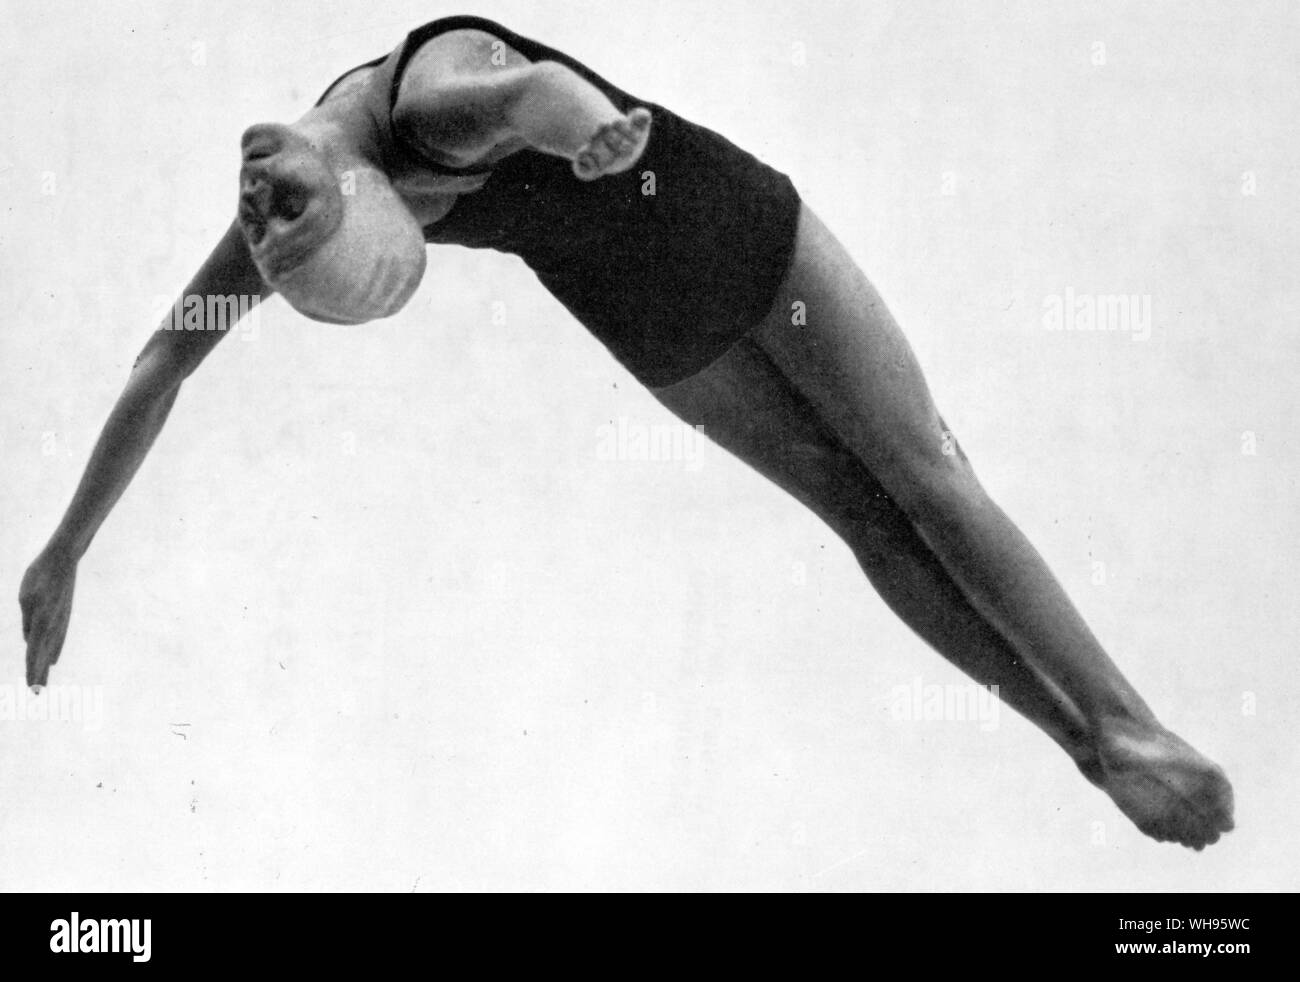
<point>289,200</point>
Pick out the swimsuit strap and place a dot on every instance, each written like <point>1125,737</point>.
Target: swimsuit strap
<point>335,84</point>
<point>397,61</point>
<point>530,49</point>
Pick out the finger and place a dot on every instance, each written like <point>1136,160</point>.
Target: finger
<point>37,670</point>
<point>59,634</point>
<point>624,128</point>
<point>614,140</point>
<point>601,155</point>
<point>38,650</point>
<point>585,165</point>
<point>47,654</point>
<point>639,118</point>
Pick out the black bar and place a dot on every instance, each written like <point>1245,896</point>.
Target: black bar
<point>979,932</point>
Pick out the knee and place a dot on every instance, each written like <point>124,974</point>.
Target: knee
<point>935,488</point>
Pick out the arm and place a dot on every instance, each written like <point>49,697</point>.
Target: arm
<point>466,95</point>
<point>133,425</point>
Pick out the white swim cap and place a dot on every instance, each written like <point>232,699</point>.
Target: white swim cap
<point>360,255</point>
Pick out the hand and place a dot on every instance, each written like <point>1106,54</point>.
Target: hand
<point>46,599</point>
<point>615,147</point>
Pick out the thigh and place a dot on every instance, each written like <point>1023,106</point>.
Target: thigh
<point>747,406</point>
<point>848,358</point>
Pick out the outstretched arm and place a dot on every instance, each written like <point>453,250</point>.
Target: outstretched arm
<point>467,97</point>
<point>133,425</point>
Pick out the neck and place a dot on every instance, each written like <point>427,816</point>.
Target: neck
<point>344,130</point>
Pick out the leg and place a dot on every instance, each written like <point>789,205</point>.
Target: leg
<point>747,406</point>
<point>854,366</point>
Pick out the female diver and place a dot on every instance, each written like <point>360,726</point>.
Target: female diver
<point>685,256</point>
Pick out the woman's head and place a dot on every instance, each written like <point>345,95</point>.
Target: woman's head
<point>325,227</point>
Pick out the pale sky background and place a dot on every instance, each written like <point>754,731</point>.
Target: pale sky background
<point>423,636</point>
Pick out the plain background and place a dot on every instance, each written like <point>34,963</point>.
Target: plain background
<point>425,637</point>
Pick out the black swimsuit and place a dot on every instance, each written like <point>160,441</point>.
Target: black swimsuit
<point>667,264</point>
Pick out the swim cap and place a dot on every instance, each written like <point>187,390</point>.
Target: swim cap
<point>362,258</point>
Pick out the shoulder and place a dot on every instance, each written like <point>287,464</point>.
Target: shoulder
<point>451,98</point>
<point>459,55</point>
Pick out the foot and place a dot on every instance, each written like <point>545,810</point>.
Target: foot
<point>1165,787</point>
